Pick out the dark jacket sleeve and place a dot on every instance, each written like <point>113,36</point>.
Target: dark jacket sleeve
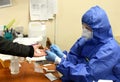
<point>15,49</point>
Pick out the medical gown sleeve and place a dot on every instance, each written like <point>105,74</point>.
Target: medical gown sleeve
<point>98,67</point>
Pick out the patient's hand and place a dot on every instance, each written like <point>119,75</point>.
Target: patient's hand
<point>38,52</point>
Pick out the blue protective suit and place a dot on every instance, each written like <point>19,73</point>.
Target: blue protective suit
<point>96,58</point>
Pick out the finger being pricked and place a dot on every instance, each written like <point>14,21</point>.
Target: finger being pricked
<point>41,52</point>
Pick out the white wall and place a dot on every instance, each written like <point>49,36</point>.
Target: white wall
<point>68,19</point>
<point>18,10</point>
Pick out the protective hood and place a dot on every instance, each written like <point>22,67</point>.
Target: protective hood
<point>97,20</point>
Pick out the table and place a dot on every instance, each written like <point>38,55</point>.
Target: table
<point>26,74</point>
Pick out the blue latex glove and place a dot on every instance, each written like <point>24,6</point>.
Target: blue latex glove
<point>54,48</point>
<point>50,56</point>
<point>8,35</point>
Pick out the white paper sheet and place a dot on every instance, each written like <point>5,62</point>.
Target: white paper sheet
<point>42,9</point>
<point>5,57</point>
<point>51,77</point>
<point>28,41</point>
<point>36,58</point>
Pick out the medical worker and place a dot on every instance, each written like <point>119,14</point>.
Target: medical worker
<point>93,56</point>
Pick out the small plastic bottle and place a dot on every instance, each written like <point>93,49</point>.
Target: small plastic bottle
<point>14,65</point>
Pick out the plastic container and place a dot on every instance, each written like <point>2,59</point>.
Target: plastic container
<point>14,65</point>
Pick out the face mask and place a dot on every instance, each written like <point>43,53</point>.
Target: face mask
<point>87,33</point>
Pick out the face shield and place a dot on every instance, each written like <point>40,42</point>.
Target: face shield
<point>87,32</point>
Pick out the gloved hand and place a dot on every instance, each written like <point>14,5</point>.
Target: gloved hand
<point>54,48</point>
<point>8,35</point>
<point>51,56</point>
